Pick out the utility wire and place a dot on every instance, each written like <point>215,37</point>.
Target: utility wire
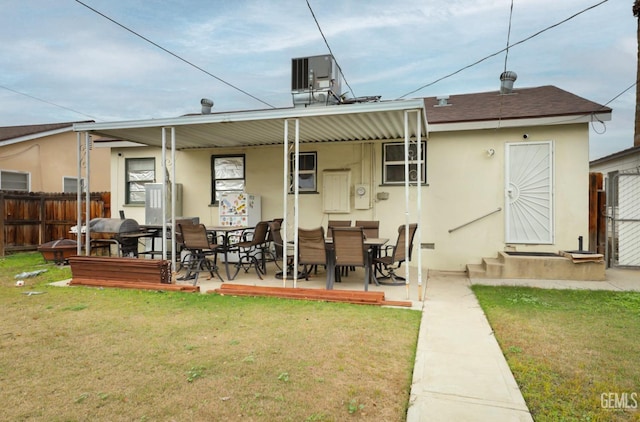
<point>47,102</point>
<point>504,49</point>
<point>331,52</point>
<point>174,54</point>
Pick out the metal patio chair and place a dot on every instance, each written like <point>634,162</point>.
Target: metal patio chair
<point>394,255</point>
<point>350,251</point>
<point>202,252</point>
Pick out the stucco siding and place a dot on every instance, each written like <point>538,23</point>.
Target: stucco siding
<point>464,182</point>
<point>51,158</point>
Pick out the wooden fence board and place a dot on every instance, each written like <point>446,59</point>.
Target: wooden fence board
<point>29,219</point>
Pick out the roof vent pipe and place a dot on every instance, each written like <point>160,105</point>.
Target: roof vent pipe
<point>507,79</point>
<point>206,105</point>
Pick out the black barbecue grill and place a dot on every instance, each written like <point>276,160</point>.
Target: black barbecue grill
<point>124,232</point>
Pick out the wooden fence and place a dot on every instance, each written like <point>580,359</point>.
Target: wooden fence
<point>30,219</point>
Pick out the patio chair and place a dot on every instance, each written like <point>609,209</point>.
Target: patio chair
<point>201,249</point>
<point>271,252</point>
<point>350,250</point>
<point>394,256</point>
<point>312,250</point>
<point>278,246</point>
<point>180,247</point>
<point>371,228</point>
<point>251,250</point>
<point>336,223</point>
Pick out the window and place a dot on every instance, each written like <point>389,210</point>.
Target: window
<point>308,172</point>
<point>70,184</point>
<point>14,180</point>
<point>393,162</point>
<point>140,171</point>
<point>228,175</point>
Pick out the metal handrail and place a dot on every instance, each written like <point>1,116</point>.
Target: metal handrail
<point>474,220</point>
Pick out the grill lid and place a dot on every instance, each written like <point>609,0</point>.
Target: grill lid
<point>113,225</point>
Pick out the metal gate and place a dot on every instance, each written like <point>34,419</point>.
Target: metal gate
<point>623,205</point>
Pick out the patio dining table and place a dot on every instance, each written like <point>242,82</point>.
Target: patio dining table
<point>225,233</point>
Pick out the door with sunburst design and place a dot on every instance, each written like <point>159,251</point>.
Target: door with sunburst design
<point>529,193</point>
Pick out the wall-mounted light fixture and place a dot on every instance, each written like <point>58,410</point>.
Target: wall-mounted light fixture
<point>491,152</point>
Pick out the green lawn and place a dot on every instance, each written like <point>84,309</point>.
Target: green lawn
<point>574,353</point>
<point>80,353</point>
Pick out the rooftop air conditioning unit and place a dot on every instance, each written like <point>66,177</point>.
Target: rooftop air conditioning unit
<point>315,81</point>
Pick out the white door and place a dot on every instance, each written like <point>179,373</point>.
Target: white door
<point>529,193</point>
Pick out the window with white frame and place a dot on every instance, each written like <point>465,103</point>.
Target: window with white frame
<point>227,174</point>
<point>307,174</point>
<point>70,184</point>
<point>139,172</point>
<point>393,158</point>
<point>15,180</point>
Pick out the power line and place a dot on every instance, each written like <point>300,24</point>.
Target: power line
<point>503,50</point>
<point>47,102</point>
<point>174,54</point>
<point>331,52</point>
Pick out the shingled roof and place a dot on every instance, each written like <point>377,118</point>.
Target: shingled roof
<point>12,132</point>
<point>544,101</point>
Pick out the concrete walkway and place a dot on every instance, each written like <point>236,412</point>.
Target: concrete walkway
<point>460,372</point>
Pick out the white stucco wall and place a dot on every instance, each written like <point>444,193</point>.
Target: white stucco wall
<point>464,183</point>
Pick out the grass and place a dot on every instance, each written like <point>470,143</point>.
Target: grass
<point>572,352</point>
<point>79,353</point>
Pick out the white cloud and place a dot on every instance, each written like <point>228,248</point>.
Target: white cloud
<point>67,54</point>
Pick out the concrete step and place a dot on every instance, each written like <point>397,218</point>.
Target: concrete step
<point>494,267</point>
<point>476,271</point>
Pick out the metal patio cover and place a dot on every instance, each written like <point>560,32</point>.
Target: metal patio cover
<point>352,122</point>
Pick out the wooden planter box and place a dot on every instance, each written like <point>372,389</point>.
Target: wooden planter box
<point>109,271</point>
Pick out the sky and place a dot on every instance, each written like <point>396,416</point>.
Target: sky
<point>60,61</point>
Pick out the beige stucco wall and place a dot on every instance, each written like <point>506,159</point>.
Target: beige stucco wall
<point>464,183</point>
<point>51,158</point>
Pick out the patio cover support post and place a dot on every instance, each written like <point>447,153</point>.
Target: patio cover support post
<point>285,199</point>
<point>419,198</point>
<point>296,197</point>
<point>87,141</point>
<point>79,194</point>
<point>173,197</point>
<point>407,142</point>
<point>163,196</point>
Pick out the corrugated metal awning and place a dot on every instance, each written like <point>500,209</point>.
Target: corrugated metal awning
<point>352,122</point>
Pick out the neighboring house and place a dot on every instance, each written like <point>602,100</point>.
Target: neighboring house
<point>628,159</point>
<point>44,158</point>
<point>621,173</point>
<point>502,169</point>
